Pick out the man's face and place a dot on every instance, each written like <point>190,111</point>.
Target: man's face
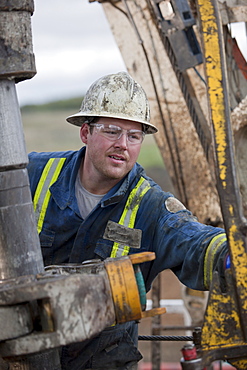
<point>109,159</point>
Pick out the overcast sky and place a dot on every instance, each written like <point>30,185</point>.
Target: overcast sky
<point>73,46</point>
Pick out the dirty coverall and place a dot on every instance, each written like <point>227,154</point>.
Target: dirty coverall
<point>182,244</point>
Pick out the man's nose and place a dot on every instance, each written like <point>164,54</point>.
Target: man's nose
<point>122,141</point>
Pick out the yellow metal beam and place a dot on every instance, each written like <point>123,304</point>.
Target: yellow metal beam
<point>225,327</point>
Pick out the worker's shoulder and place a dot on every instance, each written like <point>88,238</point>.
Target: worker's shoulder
<point>138,173</point>
<point>45,156</point>
<point>38,160</point>
<point>155,194</point>
<point>157,197</point>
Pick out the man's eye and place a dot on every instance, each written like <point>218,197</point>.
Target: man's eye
<point>111,132</point>
<point>135,135</point>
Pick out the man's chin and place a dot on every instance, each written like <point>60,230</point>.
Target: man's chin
<point>117,175</point>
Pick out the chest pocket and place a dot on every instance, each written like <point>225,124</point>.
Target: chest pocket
<point>42,194</point>
<point>123,233</point>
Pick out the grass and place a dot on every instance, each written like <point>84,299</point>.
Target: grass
<point>60,105</point>
<point>49,131</point>
<point>150,155</point>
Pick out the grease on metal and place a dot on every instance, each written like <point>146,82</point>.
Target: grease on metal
<point>214,73</point>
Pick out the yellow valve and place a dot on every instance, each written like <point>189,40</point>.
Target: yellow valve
<point>124,287</point>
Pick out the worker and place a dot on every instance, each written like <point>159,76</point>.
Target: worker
<point>98,202</point>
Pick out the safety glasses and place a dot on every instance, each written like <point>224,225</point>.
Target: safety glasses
<point>114,133</point>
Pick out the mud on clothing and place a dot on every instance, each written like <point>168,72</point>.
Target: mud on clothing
<point>190,249</point>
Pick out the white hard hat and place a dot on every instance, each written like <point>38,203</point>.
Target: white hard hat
<point>115,96</point>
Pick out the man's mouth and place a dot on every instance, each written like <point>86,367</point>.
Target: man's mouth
<point>117,157</point>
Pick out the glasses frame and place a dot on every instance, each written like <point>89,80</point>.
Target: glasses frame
<point>121,132</point>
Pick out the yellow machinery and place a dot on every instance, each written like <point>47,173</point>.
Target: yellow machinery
<point>224,332</point>
<point>167,33</point>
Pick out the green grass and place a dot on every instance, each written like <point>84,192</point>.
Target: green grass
<point>72,104</point>
<point>49,131</point>
<point>150,154</point>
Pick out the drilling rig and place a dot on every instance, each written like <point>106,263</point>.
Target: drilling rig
<point>194,73</point>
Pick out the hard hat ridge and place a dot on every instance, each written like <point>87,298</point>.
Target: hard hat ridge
<point>115,96</point>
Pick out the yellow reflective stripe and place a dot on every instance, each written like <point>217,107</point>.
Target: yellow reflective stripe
<point>41,199</point>
<point>126,250</point>
<point>136,207</point>
<point>116,247</point>
<point>212,249</point>
<point>129,209</point>
<point>129,214</point>
<point>114,250</point>
<point>41,183</point>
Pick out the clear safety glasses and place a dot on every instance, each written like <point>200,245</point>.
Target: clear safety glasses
<point>114,133</point>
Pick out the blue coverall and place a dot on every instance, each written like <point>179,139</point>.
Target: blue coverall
<point>179,241</point>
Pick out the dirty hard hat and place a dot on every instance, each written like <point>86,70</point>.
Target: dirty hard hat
<point>115,96</point>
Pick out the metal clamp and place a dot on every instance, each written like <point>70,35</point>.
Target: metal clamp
<point>69,303</point>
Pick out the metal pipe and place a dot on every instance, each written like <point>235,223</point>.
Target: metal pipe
<point>20,252</point>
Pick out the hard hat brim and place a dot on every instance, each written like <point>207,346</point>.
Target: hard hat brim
<point>79,118</point>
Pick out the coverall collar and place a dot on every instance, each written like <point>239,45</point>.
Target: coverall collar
<point>64,195</point>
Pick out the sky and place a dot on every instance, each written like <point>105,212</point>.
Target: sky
<point>73,46</point>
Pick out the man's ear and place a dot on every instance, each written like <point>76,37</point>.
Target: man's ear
<point>84,132</point>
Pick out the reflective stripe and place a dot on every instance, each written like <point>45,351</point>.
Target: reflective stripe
<point>42,194</point>
<point>212,249</point>
<point>129,214</point>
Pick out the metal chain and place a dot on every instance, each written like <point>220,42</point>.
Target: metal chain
<point>180,338</point>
